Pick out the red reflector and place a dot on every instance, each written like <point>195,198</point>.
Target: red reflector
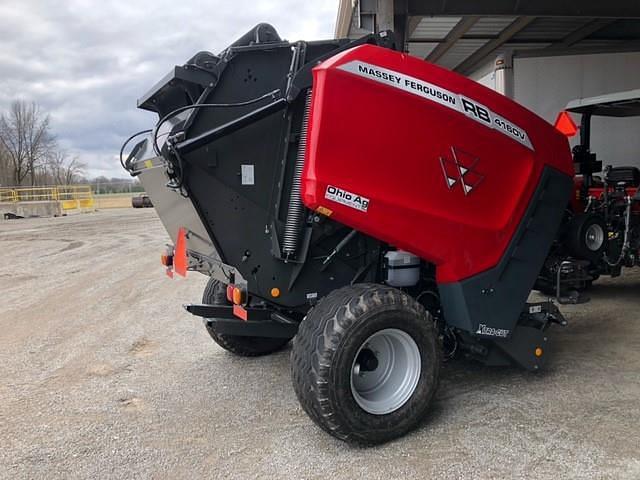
<point>230,293</point>
<point>180,261</point>
<point>565,124</point>
<point>240,312</point>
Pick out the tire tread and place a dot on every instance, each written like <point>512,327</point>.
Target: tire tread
<point>319,338</point>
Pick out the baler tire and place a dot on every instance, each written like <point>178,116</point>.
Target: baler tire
<point>215,294</point>
<point>330,340</point>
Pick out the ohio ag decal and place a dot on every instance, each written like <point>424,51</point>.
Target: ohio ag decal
<point>442,96</point>
<point>349,199</point>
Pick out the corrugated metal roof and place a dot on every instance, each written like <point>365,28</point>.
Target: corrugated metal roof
<point>435,28</point>
<point>524,46</point>
<point>600,43</point>
<point>518,47</point>
<point>460,51</point>
<point>550,28</point>
<point>421,49</point>
<point>624,29</point>
<point>490,26</point>
<point>529,34</point>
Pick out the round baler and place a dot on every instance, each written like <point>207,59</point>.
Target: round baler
<point>383,212</point>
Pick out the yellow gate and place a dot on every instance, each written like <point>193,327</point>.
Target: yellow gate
<point>71,197</point>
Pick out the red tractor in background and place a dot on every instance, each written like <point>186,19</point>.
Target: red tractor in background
<point>601,231</point>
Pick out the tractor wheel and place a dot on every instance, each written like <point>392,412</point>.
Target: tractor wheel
<point>587,237</point>
<point>215,293</point>
<point>365,363</point>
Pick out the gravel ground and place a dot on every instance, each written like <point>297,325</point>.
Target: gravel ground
<point>105,376</point>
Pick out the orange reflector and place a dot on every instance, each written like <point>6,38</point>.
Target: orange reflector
<point>237,296</point>
<point>240,312</point>
<point>180,261</point>
<point>275,292</point>
<point>324,211</point>
<point>538,352</point>
<point>565,124</point>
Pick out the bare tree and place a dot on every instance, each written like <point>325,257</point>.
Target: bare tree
<point>26,137</point>
<point>55,166</point>
<point>62,169</point>
<point>5,168</point>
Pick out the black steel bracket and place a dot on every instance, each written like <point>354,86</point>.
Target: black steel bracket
<point>261,322</point>
<point>209,136</point>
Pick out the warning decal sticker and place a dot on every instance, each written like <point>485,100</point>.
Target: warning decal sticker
<point>442,96</point>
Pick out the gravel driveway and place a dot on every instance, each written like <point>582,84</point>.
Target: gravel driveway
<point>105,376</point>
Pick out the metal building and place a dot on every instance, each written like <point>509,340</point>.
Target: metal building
<point>542,53</point>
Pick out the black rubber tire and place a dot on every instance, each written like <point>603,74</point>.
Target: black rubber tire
<point>576,236</point>
<point>323,353</point>
<point>215,293</point>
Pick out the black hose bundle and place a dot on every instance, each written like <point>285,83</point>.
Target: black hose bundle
<point>176,170</point>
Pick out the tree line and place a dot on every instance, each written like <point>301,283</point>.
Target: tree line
<point>29,152</point>
<point>101,185</point>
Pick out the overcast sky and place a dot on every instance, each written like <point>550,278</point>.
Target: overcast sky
<point>87,62</point>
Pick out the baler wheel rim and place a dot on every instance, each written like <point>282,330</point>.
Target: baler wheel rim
<point>388,386</point>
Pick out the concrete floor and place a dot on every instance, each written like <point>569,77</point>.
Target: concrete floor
<point>105,376</point>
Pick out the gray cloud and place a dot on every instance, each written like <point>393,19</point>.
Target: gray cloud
<point>86,63</point>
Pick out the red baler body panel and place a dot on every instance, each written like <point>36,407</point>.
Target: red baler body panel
<point>444,167</point>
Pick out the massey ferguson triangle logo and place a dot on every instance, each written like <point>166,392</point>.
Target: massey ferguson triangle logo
<point>460,168</point>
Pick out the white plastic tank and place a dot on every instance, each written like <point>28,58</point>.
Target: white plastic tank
<point>403,268</point>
